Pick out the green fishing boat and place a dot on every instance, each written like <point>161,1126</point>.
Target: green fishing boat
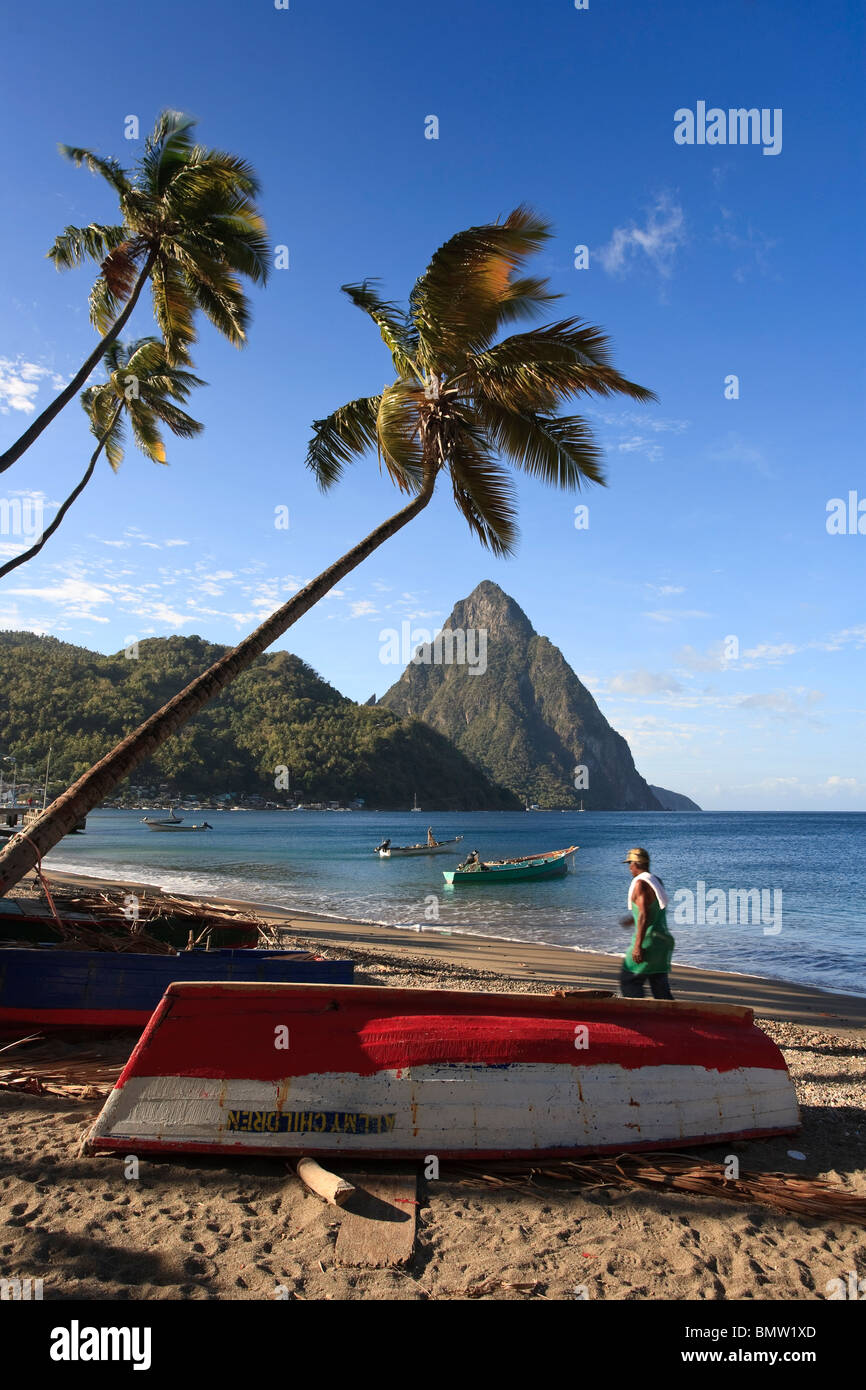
<point>554,864</point>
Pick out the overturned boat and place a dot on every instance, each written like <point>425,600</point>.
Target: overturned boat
<point>388,1073</point>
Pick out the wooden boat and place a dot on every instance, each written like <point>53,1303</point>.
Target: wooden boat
<point>554,864</point>
<point>51,989</point>
<point>401,1073</point>
<point>397,851</point>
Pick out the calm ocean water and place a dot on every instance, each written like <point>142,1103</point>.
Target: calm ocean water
<point>322,862</point>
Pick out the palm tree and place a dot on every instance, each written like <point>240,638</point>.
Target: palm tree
<point>189,224</point>
<point>142,385</point>
<point>459,398</point>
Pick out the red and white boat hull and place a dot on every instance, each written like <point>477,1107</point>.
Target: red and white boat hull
<point>325,1070</point>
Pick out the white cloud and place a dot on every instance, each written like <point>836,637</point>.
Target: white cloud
<point>672,615</point>
<point>644,682</point>
<point>19,384</point>
<point>659,240</point>
<point>639,444</point>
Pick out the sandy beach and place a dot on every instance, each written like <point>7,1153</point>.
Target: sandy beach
<point>204,1229</point>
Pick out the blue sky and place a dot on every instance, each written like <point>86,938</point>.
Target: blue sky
<point>705,261</point>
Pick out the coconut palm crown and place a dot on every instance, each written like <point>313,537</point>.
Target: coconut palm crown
<point>189,220</point>
<point>463,396</point>
<point>143,388</point>
<point>189,224</point>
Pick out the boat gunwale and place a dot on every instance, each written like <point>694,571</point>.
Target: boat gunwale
<point>439,999</point>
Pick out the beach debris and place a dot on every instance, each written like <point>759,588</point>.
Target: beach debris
<point>98,920</point>
<point>795,1153</point>
<point>328,1186</point>
<point>489,1286</point>
<point>379,1221</point>
<point>75,1071</point>
<point>671,1173</point>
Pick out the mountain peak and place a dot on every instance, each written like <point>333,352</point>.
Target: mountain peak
<point>518,710</point>
<point>489,607</point>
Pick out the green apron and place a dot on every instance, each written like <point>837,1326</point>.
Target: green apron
<point>658,944</point>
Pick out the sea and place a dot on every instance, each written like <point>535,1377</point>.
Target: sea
<point>771,894</point>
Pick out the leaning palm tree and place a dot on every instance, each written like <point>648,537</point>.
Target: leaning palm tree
<point>189,224</point>
<point>142,387</point>
<point>461,398</point>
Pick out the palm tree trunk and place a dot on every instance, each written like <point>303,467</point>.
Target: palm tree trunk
<point>25,849</point>
<point>32,433</point>
<point>76,492</point>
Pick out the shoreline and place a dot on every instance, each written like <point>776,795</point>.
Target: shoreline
<point>506,960</point>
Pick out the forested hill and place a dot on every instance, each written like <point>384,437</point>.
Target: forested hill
<point>278,713</point>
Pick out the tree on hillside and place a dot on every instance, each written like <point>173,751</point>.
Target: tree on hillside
<point>189,224</point>
<point>461,397</point>
<point>142,387</point>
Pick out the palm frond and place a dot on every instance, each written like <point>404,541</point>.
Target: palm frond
<point>392,322</point>
<point>398,424</point>
<point>558,449</point>
<point>74,245</point>
<point>110,169</point>
<point>145,431</point>
<point>455,304</point>
<point>120,268</point>
<point>172,309</point>
<point>345,435</point>
<point>540,369</point>
<point>222,300</point>
<point>483,492</point>
<point>101,406</point>
<point>103,307</point>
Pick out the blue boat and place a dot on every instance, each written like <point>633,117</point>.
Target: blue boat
<point>52,989</point>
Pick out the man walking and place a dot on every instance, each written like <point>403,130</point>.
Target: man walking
<point>649,954</point>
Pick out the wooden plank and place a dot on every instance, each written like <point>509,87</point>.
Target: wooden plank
<point>379,1220</point>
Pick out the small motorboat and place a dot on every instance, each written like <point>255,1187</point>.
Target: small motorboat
<point>388,851</point>
<point>404,1073</point>
<point>171,819</point>
<point>473,870</point>
<point>175,826</point>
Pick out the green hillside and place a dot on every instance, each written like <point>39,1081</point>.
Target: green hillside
<point>278,713</point>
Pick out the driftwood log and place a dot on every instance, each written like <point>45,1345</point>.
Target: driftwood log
<point>328,1186</point>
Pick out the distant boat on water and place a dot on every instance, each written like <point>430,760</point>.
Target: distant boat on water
<point>171,819</point>
<point>415,806</point>
<point>553,864</point>
<point>388,851</point>
<point>175,826</point>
